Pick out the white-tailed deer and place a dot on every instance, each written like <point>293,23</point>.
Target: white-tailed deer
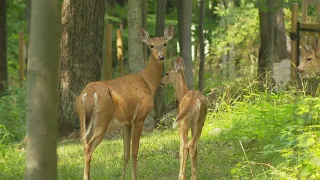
<point>310,64</point>
<point>192,113</point>
<point>126,100</point>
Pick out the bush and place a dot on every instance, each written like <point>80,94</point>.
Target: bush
<point>12,114</point>
<point>277,133</point>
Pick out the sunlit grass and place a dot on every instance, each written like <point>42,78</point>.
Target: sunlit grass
<point>158,158</point>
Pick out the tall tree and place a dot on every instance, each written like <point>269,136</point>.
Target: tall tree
<point>201,47</point>
<point>3,47</point>
<point>42,90</point>
<point>81,54</point>
<point>184,25</point>
<point>135,47</point>
<point>159,104</point>
<point>272,37</point>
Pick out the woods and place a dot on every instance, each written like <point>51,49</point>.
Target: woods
<point>81,94</point>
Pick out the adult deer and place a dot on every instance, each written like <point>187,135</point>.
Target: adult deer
<point>192,113</point>
<point>310,64</point>
<point>126,100</point>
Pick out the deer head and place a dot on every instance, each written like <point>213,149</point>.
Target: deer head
<point>172,74</point>
<point>310,64</point>
<point>157,45</point>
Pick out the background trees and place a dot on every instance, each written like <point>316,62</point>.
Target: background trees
<point>273,40</point>
<point>3,47</point>
<point>184,26</point>
<point>135,49</point>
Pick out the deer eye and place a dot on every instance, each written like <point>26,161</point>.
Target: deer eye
<point>167,73</point>
<point>309,59</point>
<point>164,44</point>
<point>152,46</point>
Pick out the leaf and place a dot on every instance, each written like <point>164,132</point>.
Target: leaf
<point>315,161</point>
<point>309,142</point>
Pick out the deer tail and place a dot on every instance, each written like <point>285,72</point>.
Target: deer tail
<point>89,108</point>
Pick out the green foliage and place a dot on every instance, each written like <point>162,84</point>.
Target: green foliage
<point>239,27</point>
<point>16,22</point>
<point>5,137</point>
<point>12,114</point>
<point>277,133</point>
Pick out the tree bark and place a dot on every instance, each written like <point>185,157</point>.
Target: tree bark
<point>3,47</point>
<point>184,27</point>
<point>145,26</point>
<point>135,47</point>
<point>280,36</point>
<point>159,104</point>
<point>201,47</point>
<point>81,54</point>
<point>42,90</point>
<point>267,37</point>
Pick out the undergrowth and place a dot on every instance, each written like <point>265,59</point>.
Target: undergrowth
<point>12,115</point>
<point>278,133</point>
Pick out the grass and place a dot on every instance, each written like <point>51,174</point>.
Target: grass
<point>158,158</point>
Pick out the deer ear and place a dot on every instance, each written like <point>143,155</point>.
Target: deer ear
<point>318,53</point>
<point>168,33</point>
<point>307,48</point>
<point>178,64</point>
<point>315,46</point>
<point>144,36</point>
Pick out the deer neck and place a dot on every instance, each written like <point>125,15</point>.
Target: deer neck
<point>152,73</point>
<point>180,86</point>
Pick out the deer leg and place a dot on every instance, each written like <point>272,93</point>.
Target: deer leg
<point>127,130</point>
<point>100,125</point>
<point>192,145</point>
<point>183,131</point>
<point>137,130</point>
<point>88,150</point>
<point>193,155</point>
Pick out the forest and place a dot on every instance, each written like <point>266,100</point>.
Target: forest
<point>159,89</point>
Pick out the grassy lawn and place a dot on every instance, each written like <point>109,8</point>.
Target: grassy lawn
<point>158,158</point>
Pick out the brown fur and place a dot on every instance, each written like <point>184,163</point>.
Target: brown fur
<point>310,64</point>
<point>192,113</point>
<point>126,100</point>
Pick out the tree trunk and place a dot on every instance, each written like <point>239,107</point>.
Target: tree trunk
<point>3,47</point>
<point>107,64</point>
<point>201,47</point>
<point>267,37</point>
<point>81,54</point>
<point>159,104</point>
<point>42,90</point>
<point>224,59</point>
<point>144,26</point>
<point>135,47</point>
<point>280,36</point>
<point>184,25</point>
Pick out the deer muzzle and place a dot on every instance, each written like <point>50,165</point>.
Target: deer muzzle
<point>161,57</point>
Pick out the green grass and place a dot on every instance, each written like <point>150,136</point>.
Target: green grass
<point>158,158</point>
